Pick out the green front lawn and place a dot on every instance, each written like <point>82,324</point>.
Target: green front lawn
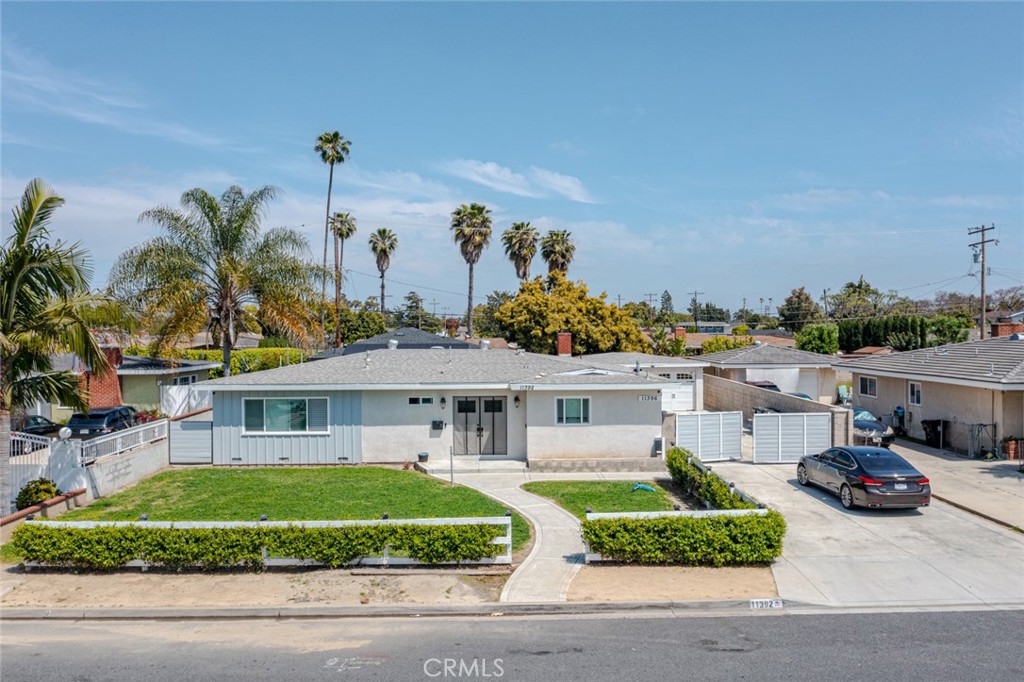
<point>295,494</point>
<point>602,496</point>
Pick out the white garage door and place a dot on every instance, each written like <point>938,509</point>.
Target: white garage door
<point>712,436</point>
<point>780,438</point>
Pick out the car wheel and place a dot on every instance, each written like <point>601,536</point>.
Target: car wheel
<point>846,496</point>
<point>801,475</point>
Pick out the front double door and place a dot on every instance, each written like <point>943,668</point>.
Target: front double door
<point>481,425</point>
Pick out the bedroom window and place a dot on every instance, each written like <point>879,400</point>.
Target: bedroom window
<point>869,387</point>
<point>572,411</point>
<point>285,415</point>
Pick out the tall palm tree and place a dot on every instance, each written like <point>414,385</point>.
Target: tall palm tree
<point>471,229</point>
<point>383,243</point>
<point>520,242</point>
<point>44,291</point>
<point>333,149</point>
<point>211,264</point>
<point>557,250</point>
<point>344,226</point>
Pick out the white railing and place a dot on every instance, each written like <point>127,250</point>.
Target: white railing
<point>26,443</point>
<point>122,441</point>
<point>384,560</point>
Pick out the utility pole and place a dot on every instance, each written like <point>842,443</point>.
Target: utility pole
<point>650,299</point>
<point>744,310</point>
<point>971,231</point>
<point>696,308</point>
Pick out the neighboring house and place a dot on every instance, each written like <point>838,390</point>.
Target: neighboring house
<point>792,370</point>
<point>686,373</point>
<point>136,382</point>
<point>977,384</point>
<point>403,339</point>
<point>390,405</point>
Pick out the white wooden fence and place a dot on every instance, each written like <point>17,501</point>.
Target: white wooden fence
<point>384,560</point>
<point>711,436</point>
<point>785,438</point>
<point>119,441</point>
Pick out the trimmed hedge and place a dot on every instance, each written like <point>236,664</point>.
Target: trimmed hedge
<point>109,547</point>
<point>691,540</point>
<point>701,483</point>
<point>688,540</point>
<point>242,361</point>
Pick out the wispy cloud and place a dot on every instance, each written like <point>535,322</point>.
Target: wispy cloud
<point>979,201</point>
<point>33,83</point>
<point>535,182</point>
<point>811,200</point>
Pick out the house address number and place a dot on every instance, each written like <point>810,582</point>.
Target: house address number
<point>649,398</point>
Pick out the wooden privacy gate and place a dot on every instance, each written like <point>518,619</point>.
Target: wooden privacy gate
<point>785,438</point>
<point>711,436</point>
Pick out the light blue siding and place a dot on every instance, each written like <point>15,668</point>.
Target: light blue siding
<point>342,445</point>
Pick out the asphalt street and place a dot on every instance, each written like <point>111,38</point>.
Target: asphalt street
<point>933,646</point>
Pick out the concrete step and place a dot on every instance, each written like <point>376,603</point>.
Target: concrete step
<point>471,465</point>
<point>654,464</point>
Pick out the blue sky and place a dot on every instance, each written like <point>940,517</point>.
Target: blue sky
<point>737,149</point>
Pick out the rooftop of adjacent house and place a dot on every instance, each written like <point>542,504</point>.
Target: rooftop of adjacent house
<point>406,338</point>
<point>992,361</point>
<point>645,360</point>
<point>388,369</point>
<point>765,355</point>
<point>132,364</point>
<point>767,337</point>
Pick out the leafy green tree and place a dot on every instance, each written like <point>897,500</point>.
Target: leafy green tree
<point>661,344</point>
<point>818,338</point>
<point>44,294</point>
<point>741,330</point>
<point>361,324</point>
<point>343,226</point>
<point>415,314</point>
<point>720,343</point>
<point>943,329</point>
<point>642,311</point>
<point>520,242</point>
<point>557,250</point>
<point>471,229</point>
<point>666,313</point>
<point>484,315</point>
<point>860,300</point>
<point>708,312</point>
<point>212,262</point>
<point>333,149</point>
<point>111,315</point>
<point>540,310</point>
<point>383,244</point>
<point>798,310</point>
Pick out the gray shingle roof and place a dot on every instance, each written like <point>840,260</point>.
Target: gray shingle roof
<point>996,361</point>
<point>417,367</point>
<point>765,354</point>
<point>136,364</point>
<point>407,338</point>
<point>645,360</point>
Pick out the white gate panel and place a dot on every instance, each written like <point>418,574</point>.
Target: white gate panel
<point>711,436</point>
<point>191,442</point>
<point>785,438</point>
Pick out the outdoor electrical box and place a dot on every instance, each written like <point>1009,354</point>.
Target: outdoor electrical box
<point>437,425</point>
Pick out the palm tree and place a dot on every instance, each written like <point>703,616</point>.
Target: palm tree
<point>520,242</point>
<point>211,264</point>
<point>383,243</point>
<point>557,250</point>
<point>333,148</point>
<point>44,291</point>
<point>471,229</point>
<point>344,226</point>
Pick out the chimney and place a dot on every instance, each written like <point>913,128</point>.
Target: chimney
<point>392,344</point>
<point>1007,328</point>
<point>679,332</point>
<point>563,344</point>
<point>105,389</point>
<point>485,344</point>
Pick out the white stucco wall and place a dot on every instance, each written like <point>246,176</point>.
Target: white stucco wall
<point>621,426</point>
<point>819,383</point>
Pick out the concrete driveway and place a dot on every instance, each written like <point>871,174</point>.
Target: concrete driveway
<point>938,555</point>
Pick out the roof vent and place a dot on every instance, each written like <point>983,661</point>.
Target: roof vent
<point>756,342</point>
<point>485,344</point>
<point>1017,337</point>
<point>392,344</point>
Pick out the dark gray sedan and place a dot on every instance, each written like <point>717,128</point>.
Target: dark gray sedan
<point>866,477</point>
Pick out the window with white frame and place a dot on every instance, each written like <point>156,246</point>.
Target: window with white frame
<point>915,393</point>
<point>684,376</point>
<point>868,387</point>
<point>420,400</point>
<point>185,380</point>
<point>572,411</point>
<point>285,415</point>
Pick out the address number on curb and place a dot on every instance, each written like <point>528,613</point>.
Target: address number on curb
<point>766,603</point>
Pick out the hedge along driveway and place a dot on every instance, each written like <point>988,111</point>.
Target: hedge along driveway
<point>295,494</point>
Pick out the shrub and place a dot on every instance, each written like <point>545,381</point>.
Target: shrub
<point>34,492</point>
<point>701,483</point>
<point>107,547</point>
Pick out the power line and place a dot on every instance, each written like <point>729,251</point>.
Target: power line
<point>983,231</point>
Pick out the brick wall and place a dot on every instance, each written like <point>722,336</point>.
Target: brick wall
<point>564,344</point>
<point>1007,328</point>
<point>724,395</point>
<point>105,389</point>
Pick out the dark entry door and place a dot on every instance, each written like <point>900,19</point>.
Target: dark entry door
<point>481,425</point>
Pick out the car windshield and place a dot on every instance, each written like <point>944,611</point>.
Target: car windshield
<point>864,415</point>
<point>87,418</point>
<point>884,461</point>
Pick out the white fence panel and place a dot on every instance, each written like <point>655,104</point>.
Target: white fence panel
<point>711,436</point>
<point>785,438</point>
<point>191,442</point>
<point>178,400</point>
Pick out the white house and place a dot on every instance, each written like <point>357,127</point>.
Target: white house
<point>792,370</point>
<point>391,405</point>
<point>685,373</point>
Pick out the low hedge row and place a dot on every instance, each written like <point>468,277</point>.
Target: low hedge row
<point>688,540</point>
<point>703,484</point>
<point>108,547</point>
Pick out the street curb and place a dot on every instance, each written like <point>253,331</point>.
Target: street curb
<point>961,507</point>
<point>490,609</point>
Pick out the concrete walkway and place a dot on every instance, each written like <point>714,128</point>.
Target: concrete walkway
<point>989,488</point>
<point>557,553</point>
